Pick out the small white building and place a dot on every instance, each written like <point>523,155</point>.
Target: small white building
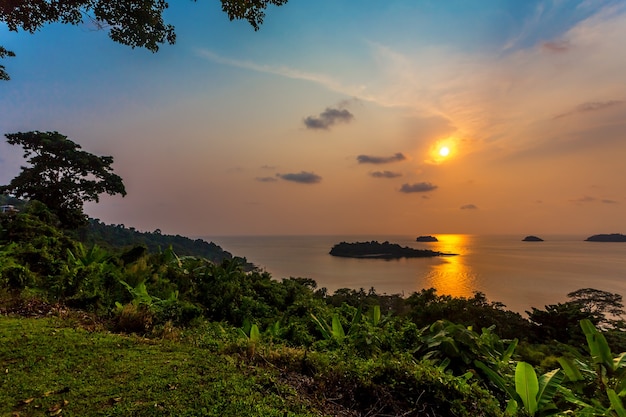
<point>8,208</point>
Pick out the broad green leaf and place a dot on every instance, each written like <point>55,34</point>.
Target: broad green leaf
<point>598,346</point>
<point>548,385</point>
<point>571,370</point>
<point>255,334</point>
<point>375,315</point>
<point>527,386</point>
<point>322,327</point>
<point>616,403</point>
<point>497,380</point>
<point>337,328</point>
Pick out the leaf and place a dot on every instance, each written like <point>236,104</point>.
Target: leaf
<point>571,370</point>
<point>598,346</point>
<point>506,356</point>
<point>497,379</point>
<point>337,332</point>
<point>255,334</point>
<point>616,403</point>
<point>619,361</point>
<point>548,385</point>
<point>375,315</point>
<point>355,320</point>
<point>511,407</point>
<point>527,386</point>
<point>323,327</point>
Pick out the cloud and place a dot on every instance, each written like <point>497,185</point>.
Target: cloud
<point>385,174</point>
<point>590,107</point>
<point>419,187</point>
<point>266,179</point>
<point>368,159</point>
<point>469,207</point>
<point>556,47</point>
<point>585,199</point>
<point>328,118</point>
<point>302,177</point>
<point>588,199</point>
<point>282,71</point>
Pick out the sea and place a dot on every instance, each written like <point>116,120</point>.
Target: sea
<point>519,274</point>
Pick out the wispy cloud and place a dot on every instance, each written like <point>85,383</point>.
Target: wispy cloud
<point>266,179</point>
<point>369,159</point>
<point>588,199</point>
<point>282,70</point>
<point>591,106</point>
<point>469,207</point>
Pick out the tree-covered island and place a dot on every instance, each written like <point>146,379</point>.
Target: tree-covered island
<point>385,250</point>
<point>613,237</point>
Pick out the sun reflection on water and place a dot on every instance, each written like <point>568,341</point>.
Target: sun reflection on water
<point>451,275</point>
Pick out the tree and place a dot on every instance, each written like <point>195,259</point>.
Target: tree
<point>61,175</point>
<point>3,53</point>
<point>598,303</point>
<point>136,23</point>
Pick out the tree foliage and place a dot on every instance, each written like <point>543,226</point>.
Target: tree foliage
<point>598,303</point>
<point>137,23</point>
<point>4,53</point>
<point>61,175</point>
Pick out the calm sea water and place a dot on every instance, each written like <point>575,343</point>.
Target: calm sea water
<point>519,274</point>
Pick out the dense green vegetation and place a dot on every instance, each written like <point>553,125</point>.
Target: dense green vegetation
<point>202,337</point>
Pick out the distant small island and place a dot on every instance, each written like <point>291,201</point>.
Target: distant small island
<point>613,237</point>
<point>376,250</point>
<point>427,239</point>
<point>532,239</point>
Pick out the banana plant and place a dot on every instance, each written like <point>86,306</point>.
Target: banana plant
<point>332,331</point>
<point>252,333</point>
<point>604,371</point>
<point>534,395</point>
<point>373,315</point>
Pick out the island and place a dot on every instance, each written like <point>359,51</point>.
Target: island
<point>385,250</point>
<point>613,237</point>
<point>532,239</point>
<point>427,239</point>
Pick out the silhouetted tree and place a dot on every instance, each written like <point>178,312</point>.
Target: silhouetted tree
<point>61,175</point>
<point>602,305</point>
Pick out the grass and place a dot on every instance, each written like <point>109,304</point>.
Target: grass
<point>48,367</point>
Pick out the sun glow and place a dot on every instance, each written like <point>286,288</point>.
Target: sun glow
<point>442,151</point>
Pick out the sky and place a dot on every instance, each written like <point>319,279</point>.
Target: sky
<point>331,118</point>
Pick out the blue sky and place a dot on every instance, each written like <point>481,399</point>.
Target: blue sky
<point>296,128</point>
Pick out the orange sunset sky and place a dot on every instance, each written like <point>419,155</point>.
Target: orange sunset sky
<point>331,118</point>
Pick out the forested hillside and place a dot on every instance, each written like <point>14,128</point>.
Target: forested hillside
<point>352,353</point>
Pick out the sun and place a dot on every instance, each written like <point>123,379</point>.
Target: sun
<point>444,151</point>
